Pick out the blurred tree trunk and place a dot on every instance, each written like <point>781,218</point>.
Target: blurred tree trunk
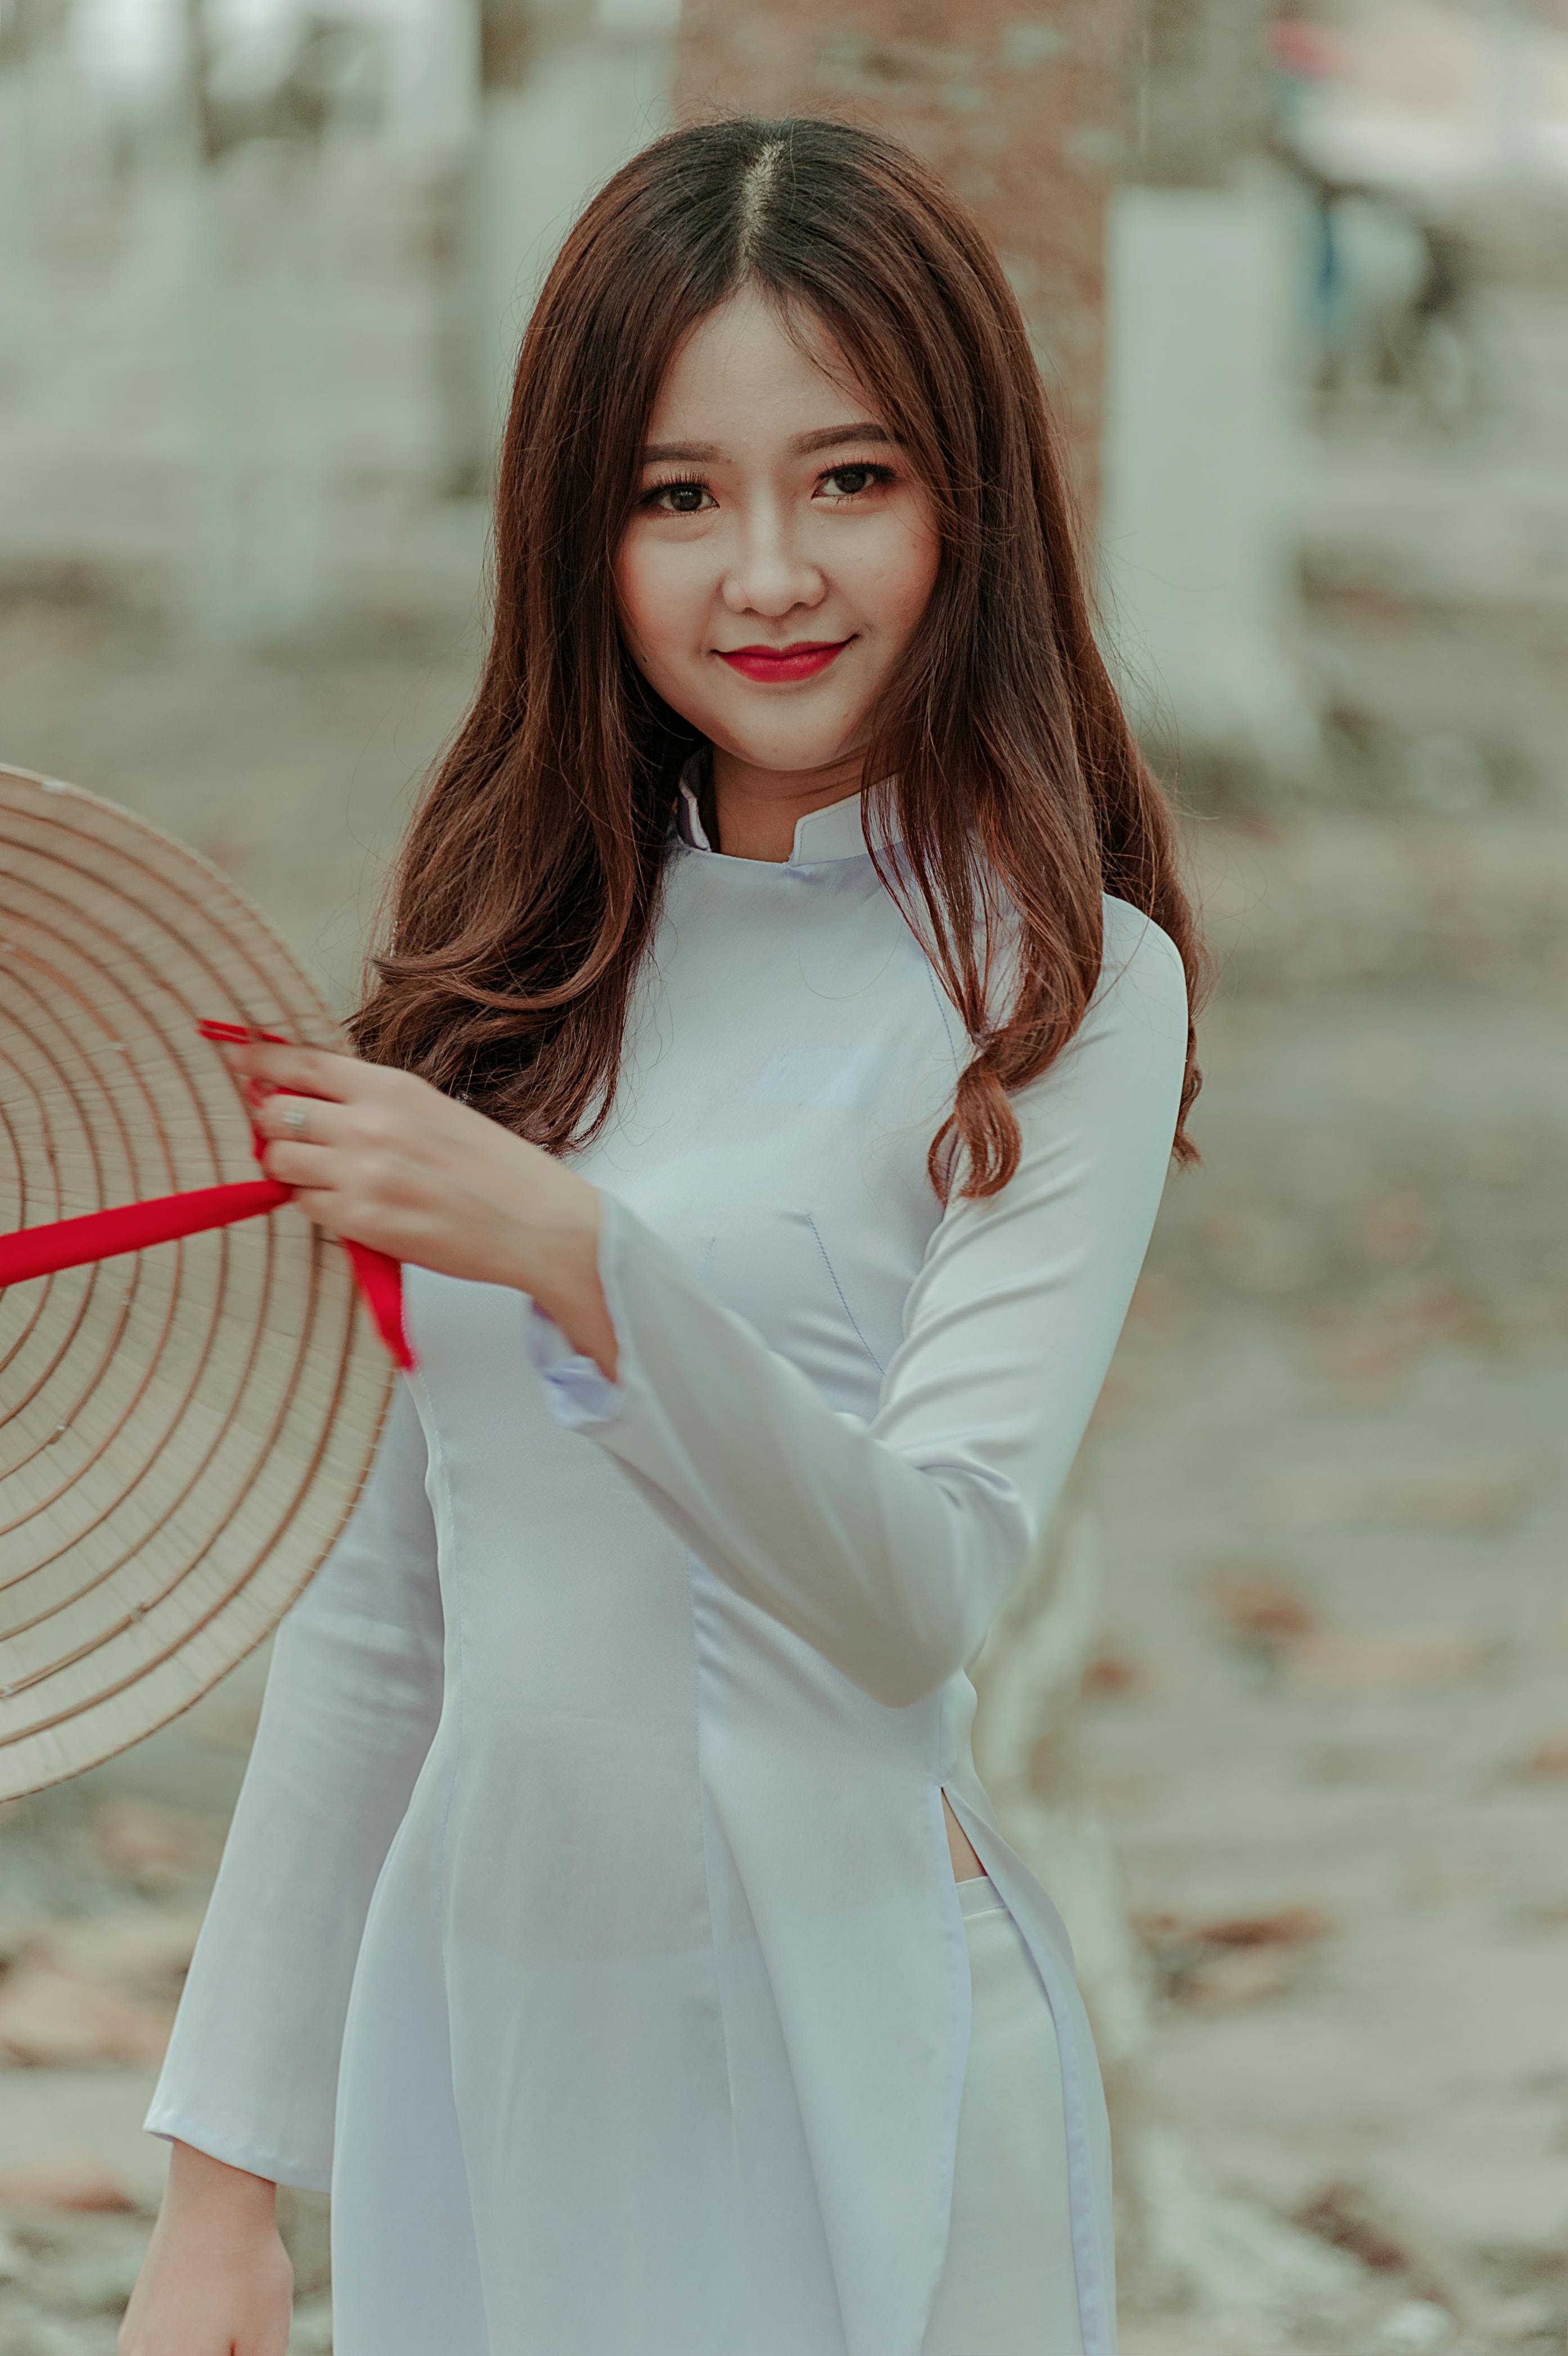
<point>1202,105</point>
<point>507,40</point>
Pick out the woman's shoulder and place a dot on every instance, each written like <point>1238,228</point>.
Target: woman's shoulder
<point>1142,981</point>
<point>1134,946</point>
<point>1141,997</point>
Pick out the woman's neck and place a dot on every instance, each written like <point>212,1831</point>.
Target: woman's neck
<point>752,813</point>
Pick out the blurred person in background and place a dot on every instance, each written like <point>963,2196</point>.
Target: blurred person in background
<point>769,1076</point>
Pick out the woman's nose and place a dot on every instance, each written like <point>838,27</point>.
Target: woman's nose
<point>769,572</point>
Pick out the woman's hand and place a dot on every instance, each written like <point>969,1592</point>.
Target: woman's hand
<point>377,1156</point>
<point>216,2280</point>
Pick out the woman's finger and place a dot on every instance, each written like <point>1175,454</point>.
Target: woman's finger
<point>313,1071</point>
<point>299,1165</point>
<point>320,1204</point>
<point>301,1120</point>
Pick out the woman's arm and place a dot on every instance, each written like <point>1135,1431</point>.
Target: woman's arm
<point>352,1700</point>
<point>890,1546</point>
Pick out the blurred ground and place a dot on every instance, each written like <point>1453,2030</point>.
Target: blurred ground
<point>1331,1730</point>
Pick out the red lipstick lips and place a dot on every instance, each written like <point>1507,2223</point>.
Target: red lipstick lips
<point>803,659</point>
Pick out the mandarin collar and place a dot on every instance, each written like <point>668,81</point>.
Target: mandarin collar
<point>833,832</point>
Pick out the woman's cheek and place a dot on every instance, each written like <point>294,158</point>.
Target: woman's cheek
<point>631,603</point>
<point>652,596</point>
<point>638,583</point>
<point>916,563</point>
<point>892,579</point>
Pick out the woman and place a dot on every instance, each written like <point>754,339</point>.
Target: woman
<point>770,1083</point>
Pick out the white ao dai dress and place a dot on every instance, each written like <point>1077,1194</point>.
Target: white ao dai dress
<point>588,1921</point>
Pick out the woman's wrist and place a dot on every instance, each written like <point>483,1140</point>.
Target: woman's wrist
<point>558,1265</point>
<point>198,2181</point>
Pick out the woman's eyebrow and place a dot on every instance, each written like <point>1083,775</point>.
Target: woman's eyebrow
<point>825,438</point>
<point>828,437</point>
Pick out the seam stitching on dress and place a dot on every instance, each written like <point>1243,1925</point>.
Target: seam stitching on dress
<point>839,1290</point>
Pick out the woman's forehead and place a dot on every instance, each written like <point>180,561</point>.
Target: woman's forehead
<point>745,374</point>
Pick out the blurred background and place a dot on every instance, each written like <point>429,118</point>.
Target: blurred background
<point>1281,1718</point>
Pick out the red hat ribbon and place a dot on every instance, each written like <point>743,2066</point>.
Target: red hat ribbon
<point>131,1227</point>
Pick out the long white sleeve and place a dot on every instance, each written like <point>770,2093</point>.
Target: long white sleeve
<point>890,1544</point>
<point>352,1699</point>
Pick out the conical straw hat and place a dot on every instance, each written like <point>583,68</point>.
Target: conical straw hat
<point>183,1429</point>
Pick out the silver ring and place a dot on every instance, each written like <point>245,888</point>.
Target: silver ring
<point>294,1120</point>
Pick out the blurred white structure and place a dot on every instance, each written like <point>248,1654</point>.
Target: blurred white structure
<point>585,88</point>
<point>1205,260</point>
<point>1198,544</point>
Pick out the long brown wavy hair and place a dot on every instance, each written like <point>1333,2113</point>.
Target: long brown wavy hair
<point>526,888</point>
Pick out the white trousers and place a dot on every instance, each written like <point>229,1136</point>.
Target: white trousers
<point>1008,2286</point>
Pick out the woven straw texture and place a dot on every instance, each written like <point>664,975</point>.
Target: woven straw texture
<point>183,1429</point>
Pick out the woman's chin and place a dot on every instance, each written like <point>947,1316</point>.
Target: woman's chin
<point>786,751</point>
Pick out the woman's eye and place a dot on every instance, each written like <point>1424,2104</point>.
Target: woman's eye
<point>689,497</point>
<point>853,480</point>
<point>684,498</point>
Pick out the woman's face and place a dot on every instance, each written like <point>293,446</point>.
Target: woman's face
<point>780,552</point>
